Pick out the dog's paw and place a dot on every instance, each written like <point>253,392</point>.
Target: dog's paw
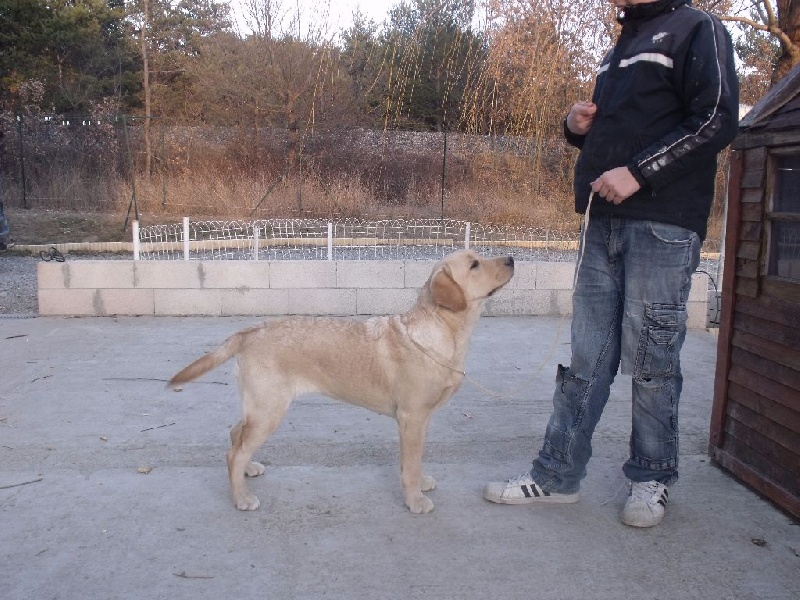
<point>428,483</point>
<point>247,502</point>
<point>419,505</point>
<point>254,469</point>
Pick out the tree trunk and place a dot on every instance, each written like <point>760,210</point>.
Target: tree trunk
<point>148,152</point>
<point>789,23</point>
<point>292,157</point>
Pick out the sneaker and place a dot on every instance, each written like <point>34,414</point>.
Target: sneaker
<point>524,490</point>
<point>645,504</point>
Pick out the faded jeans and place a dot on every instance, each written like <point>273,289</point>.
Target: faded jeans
<point>629,309</point>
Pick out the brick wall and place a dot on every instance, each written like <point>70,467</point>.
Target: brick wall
<point>227,288</point>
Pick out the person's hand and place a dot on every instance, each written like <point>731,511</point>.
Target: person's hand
<point>616,185</point>
<point>580,117</point>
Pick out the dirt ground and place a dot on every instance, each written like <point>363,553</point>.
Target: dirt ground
<point>36,226</point>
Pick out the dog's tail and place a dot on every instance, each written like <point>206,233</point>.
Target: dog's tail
<point>207,362</point>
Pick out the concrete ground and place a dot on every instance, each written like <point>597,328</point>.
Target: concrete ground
<point>112,486</point>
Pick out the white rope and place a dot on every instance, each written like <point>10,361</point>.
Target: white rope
<point>550,350</point>
<point>616,494</point>
<point>486,390</point>
<point>582,241</point>
<point>513,392</point>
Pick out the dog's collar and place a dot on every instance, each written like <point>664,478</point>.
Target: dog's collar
<point>427,353</point>
<point>433,358</point>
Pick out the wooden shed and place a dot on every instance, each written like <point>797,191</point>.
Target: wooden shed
<point>755,420</point>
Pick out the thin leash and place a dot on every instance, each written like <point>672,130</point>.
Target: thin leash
<point>551,349</point>
<point>582,241</point>
<point>486,390</point>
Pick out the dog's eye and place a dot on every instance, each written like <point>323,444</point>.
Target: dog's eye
<point>475,264</point>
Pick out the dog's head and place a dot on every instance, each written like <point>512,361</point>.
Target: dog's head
<point>464,277</point>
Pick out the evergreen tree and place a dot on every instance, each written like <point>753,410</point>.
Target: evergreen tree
<point>78,49</point>
<point>433,52</point>
<point>363,58</point>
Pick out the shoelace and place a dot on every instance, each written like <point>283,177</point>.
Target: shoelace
<point>645,492</point>
<point>523,479</point>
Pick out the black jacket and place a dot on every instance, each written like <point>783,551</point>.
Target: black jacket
<point>667,101</point>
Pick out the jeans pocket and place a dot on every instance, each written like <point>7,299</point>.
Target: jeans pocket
<point>657,355</point>
<point>671,234</point>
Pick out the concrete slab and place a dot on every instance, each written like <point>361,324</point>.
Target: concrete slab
<point>83,408</point>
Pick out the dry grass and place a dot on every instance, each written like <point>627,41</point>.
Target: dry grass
<point>205,197</point>
<point>251,197</point>
<point>32,226</point>
<point>208,178</point>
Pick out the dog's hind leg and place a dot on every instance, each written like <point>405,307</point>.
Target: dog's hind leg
<point>258,423</point>
<point>254,469</point>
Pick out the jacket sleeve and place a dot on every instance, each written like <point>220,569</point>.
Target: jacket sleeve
<point>573,139</point>
<point>710,91</point>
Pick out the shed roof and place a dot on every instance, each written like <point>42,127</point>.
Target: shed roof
<point>779,108</point>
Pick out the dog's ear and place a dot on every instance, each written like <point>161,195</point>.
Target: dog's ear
<point>446,292</point>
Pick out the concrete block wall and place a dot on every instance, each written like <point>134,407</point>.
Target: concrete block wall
<point>227,288</point>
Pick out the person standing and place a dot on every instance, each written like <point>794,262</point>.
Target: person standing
<point>665,103</point>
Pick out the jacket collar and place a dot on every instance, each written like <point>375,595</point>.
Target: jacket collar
<point>644,12</point>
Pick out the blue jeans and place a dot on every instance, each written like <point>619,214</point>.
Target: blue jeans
<point>629,310</point>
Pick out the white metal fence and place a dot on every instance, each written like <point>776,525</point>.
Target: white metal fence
<point>354,239</point>
<point>348,239</point>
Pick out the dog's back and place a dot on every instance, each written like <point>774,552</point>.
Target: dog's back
<point>354,360</point>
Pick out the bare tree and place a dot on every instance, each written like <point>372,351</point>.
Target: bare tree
<point>780,19</point>
<point>542,57</point>
<point>289,57</point>
<point>264,17</point>
<point>148,151</point>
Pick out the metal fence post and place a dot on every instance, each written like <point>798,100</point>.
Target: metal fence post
<point>466,235</point>
<point>22,160</point>
<point>185,238</point>
<point>136,243</point>
<point>330,241</point>
<point>256,236</point>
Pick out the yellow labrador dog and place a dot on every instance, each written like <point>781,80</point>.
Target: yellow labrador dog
<point>404,366</point>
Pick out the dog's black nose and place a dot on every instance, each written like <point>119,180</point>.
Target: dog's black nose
<point>510,261</point>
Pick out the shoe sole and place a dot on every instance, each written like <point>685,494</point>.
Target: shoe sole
<point>559,499</point>
<point>641,524</point>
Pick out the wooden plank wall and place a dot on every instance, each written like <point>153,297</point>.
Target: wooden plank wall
<point>756,421</point>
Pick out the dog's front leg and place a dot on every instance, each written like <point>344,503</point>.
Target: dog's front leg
<point>412,429</point>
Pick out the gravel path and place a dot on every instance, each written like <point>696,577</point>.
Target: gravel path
<point>18,285</point>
